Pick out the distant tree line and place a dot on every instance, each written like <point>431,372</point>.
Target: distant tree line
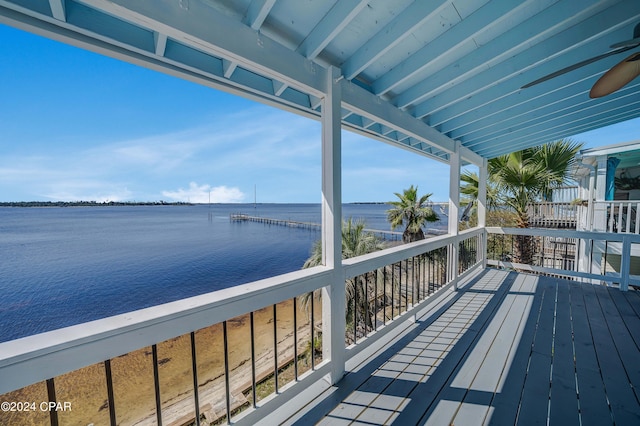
<point>90,203</point>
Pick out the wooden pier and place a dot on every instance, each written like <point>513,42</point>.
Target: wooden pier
<point>241,217</point>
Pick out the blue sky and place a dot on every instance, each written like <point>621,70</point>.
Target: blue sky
<point>75,125</point>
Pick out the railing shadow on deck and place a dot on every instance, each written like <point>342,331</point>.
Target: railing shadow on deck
<point>418,407</point>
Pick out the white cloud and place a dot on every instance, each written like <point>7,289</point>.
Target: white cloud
<point>200,194</point>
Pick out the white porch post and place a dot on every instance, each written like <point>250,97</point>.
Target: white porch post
<point>600,209</point>
<point>483,175</point>
<point>590,197</point>
<point>333,296</point>
<point>454,207</point>
<point>596,252</point>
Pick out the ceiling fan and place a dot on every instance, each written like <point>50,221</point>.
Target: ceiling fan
<point>614,79</point>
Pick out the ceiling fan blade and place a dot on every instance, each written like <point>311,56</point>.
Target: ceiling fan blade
<point>634,42</point>
<point>576,66</point>
<point>617,77</point>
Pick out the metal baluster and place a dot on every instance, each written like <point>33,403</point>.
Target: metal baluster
<point>110,397</point>
<point>467,254</point>
<point>366,299</point>
<point>275,348</point>
<point>295,338</point>
<point>421,279</point>
<point>194,369</point>
<point>313,350</point>
<point>226,371</point>
<point>425,270</point>
<point>406,283</point>
<point>476,249</point>
<point>435,264</point>
<point>604,261</point>
<point>429,275</point>
<point>393,293</point>
<point>51,394</point>
<point>375,300</point>
<point>493,251</point>
<point>156,383</point>
<point>419,276</point>
<point>253,358</point>
<point>384,299</point>
<point>432,273</point>
<point>413,281</point>
<point>355,310</point>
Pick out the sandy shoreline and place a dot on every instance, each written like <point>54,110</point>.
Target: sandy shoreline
<point>133,382</point>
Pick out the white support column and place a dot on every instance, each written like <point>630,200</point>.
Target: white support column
<point>599,216</point>
<point>483,175</point>
<point>333,296</point>
<point>590,197</point>
<point>600,209</point>
<point>454,207</point>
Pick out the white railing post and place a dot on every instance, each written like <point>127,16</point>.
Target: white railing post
<point>333,297</point>
<point>454,206</point>
<point>483,175</point>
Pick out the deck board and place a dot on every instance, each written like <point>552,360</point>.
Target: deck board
<point>563,404</point>
<point>534,402</point>
<point>627,313</point>
<point>488,377</point>
<point>625,345</point>
<point>508,348</point>
<point>633,297</point>
<point>444,399</point>
<point>507,400</point>
<point>594,407</point>
<point>622,400</point>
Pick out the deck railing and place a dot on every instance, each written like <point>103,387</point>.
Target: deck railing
<point>621,216</point>
<point>381,289</point>
<point>594,256</point>
<point>233,355</point>
<point>552,215</point>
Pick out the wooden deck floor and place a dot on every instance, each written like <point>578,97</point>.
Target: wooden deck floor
<point>506,349</point>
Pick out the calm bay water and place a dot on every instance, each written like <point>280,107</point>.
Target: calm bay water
<point>64,266</point>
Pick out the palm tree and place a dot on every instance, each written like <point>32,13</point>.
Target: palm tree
<point>412,212</point>
<point>526,176</point>
<point>529,175</point>
<point>469,191</point>
<point>355,242</point>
